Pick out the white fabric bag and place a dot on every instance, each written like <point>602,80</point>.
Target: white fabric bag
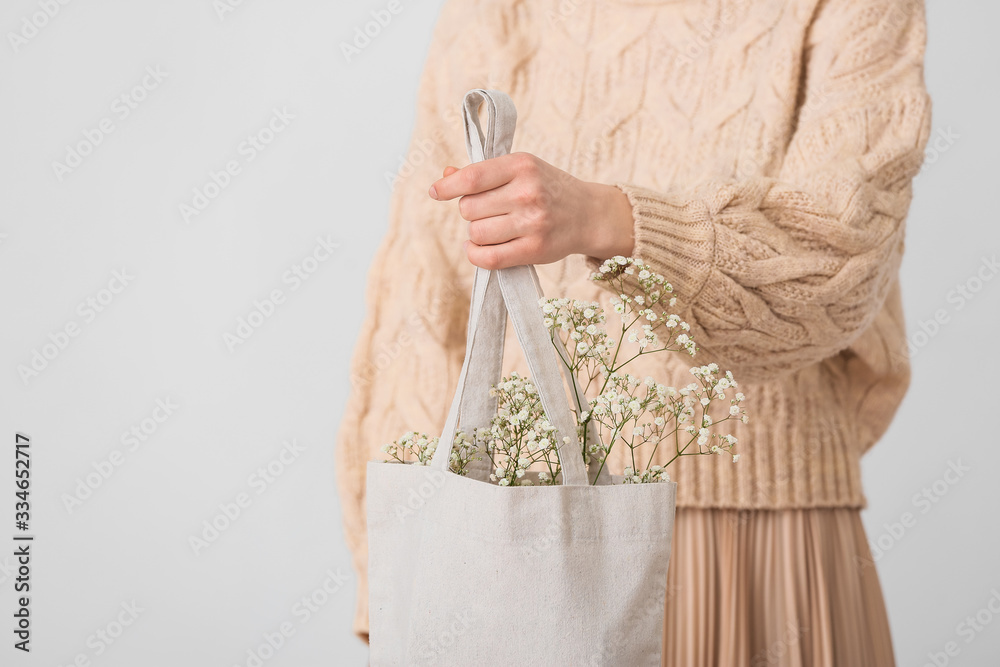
<point>464,572</point>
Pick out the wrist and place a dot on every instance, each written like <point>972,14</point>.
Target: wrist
<point>611,230</point>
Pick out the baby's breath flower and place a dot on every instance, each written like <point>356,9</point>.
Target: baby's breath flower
<point>419,448</point>
<point>656,422</point>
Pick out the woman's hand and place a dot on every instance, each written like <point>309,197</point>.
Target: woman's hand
<point>522,210</point>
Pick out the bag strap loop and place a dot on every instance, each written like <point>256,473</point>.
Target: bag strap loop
<point>515,290</point>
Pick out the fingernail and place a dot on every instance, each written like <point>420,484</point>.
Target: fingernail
<point>433,192</point>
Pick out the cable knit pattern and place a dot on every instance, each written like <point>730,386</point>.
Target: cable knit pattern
<point>767,149</point>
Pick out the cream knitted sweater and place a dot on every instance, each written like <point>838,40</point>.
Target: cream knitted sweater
<point>767,148</point>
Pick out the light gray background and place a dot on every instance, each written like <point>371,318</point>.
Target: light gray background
<point>323,176</point>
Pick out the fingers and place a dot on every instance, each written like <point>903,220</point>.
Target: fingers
<point>513,253</point>
<point>475,178</point>
<point>490,231</point>
<point>486,204</point>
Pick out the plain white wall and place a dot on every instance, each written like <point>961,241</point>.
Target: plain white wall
<point>160,336</point>
<point>937,543</point>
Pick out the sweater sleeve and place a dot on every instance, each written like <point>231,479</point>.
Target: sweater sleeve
<point>416,303</point>
<point>776,272</point>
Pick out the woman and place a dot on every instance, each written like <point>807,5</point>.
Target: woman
<point>760,156</point>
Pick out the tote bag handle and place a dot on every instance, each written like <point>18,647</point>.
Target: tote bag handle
<point>478,407</point>
<point>495,293</point>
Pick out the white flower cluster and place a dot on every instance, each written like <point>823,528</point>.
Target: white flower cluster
<point>639,415</point>
<point>654,474</point>
<point>419,448</point>
<point>642,415</point>
<point>708,388</point>
<point>581,324</point>
<point>519,435</point>
<point>648,281</point>
<point>640,300</point>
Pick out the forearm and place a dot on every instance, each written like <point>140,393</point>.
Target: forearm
<point>613,232</point>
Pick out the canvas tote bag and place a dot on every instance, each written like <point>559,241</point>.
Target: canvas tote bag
<point>465,572</point>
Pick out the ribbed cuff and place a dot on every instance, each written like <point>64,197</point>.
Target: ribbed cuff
<point>674,236</point>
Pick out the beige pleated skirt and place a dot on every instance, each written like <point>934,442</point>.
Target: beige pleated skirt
<point>757,588</point>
